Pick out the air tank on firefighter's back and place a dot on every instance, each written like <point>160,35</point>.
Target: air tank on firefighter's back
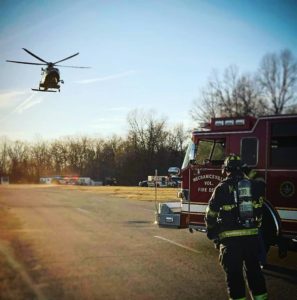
<point>245,202</point>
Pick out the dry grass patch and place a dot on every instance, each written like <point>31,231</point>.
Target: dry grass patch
<point>128,192</point>
<point>131,192</point>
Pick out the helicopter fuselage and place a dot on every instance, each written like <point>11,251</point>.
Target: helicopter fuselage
<point>50,78</point>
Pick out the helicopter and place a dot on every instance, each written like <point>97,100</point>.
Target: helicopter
<point>50,80</point>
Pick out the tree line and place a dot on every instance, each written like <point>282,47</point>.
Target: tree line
<point>149,145</point>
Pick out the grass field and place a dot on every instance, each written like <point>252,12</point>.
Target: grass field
<point>135,193</point>
<point>127,192</point>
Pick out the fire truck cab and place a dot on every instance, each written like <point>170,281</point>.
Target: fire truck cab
<point>268,146</point>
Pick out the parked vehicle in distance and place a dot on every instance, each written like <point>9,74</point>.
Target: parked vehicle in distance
<point>161,181</point>
<point>143,183</point>
<point>176,181</point>
<point>110,181</point>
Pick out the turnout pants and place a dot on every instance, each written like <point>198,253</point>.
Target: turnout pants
<point>237,253</point>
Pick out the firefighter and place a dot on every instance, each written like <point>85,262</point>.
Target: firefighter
<point>233,218</point>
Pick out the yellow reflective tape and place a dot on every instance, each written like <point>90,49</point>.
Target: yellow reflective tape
<point>211,213</point>
<point>257,205</point>
<point>234,157</point>
<point>228,207</point>
<point>240,232</point>
<point>260,297</point>
<point>252,174</point>
<point>259,222</point>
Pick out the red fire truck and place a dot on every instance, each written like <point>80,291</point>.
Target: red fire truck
<point>268,146</point>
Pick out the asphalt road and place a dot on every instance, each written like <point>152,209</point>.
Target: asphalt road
<point>79,244</point>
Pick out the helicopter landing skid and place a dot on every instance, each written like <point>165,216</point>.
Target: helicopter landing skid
<point>49,91</point>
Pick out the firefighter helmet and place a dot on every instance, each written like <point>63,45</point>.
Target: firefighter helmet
<point>232,163</point>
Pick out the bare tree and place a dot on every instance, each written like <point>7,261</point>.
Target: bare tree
<point>177,138</point>
<point>135,121</point>
<point>278,79</point>
<point>205,107</point>
<point>18,153</point>
<point>232,95</point>
<point>146,131</point>
<point>249,99</point>
<point>4,159</point>
<point>58,154</point>
<point>151,145</point>
<point>40,159</point>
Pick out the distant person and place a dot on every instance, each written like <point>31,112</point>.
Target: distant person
<point>233,217</point>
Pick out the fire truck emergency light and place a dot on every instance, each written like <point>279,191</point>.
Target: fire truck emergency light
<point>229,122</point>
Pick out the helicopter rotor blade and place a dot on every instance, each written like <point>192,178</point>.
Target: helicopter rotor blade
<point>77,67</point>
<point>66,58</point>
<point>26,63</point>
<point>34,55</point>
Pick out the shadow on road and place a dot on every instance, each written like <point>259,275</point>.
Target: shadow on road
<point>284,273</point>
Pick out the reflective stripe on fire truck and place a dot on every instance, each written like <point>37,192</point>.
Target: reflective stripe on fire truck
<point>194,208</point>
<point>240,232</point>
<point>287,214</point>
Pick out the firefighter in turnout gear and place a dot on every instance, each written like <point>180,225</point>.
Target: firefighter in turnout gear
<point>233,218</point>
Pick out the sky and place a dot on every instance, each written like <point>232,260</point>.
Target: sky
<point>146,55</point>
